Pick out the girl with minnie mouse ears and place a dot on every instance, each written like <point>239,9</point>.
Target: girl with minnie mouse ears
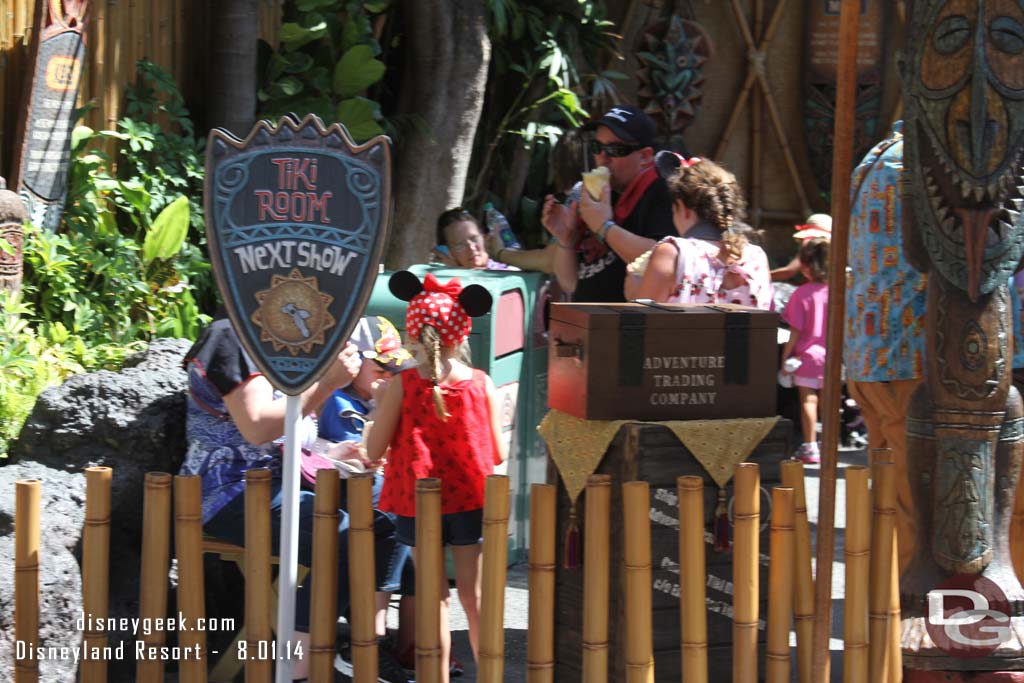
<point>440,419</point>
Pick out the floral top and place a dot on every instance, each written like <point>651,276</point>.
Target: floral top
<point>699,275</point>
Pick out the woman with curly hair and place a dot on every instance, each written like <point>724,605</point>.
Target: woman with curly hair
<point>712,260</point>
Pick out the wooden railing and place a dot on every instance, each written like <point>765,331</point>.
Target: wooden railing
<point>871,612</point>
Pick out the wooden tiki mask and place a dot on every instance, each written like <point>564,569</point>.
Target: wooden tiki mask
<point>963,88</point>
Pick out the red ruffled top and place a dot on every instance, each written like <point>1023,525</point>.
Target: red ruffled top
<point>460,452</point>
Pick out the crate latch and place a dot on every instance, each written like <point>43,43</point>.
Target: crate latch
<point>631,348</point>
<point>737,347</point>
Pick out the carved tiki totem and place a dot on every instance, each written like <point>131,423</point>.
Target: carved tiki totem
<point>963,191</point>
<point>13,215</point>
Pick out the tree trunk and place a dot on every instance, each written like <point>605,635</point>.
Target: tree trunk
<point>443,81</point>
<point>231,87</point>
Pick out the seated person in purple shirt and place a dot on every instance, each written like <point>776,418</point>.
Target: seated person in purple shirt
<point>460,242</point>
<point>235,421</point>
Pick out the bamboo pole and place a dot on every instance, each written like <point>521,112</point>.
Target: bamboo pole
<point>842,164</point>
<point>540,636</point>
<point>96,571</point>
<point>21,18</point>
<point>803,597</point>
<point>636,505</point>
<point>361,570</point>
<point>747,517</point>
<point>97,71</point>
<point>895,656</point>
<point>26,575</point>
<point>188,546</point>
<point>156,559</point>
<point>258,606</point>
<point>803,592</point>
<point>596,563</point>
<point>858,559</point>
<point>780,587</point>
<point>5,75</point>
<point>692,580</point>
<point>429,557</point>
<point>115,74</point>
<point>882,530</point>
<point>491,665</point>
<point>142,29</point>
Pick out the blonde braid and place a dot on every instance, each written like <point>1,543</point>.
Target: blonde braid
<point>431,342</point>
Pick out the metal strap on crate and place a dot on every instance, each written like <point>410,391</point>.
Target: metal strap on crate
<point>631,348</point>
<point>737,345</point>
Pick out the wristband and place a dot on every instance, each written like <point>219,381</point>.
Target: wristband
<point>564,246</point>
<point>602,234</point>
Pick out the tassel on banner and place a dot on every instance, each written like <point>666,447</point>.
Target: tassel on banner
<point>571,560</point>
<point>721,524</point>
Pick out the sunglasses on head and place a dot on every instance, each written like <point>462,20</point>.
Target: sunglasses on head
<point>613,149</point>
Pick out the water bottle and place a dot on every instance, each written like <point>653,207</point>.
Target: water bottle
<point>496,221</point>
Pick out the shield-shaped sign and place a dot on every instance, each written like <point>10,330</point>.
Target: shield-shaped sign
<point>296,219</point>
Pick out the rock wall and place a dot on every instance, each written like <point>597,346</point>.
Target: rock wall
<point>134,422</point>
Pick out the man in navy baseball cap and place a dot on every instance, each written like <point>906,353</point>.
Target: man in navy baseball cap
<point>629,123</point>
<point>615,225</point>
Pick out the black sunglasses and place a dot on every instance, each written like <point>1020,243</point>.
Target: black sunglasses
<point>613,149</point>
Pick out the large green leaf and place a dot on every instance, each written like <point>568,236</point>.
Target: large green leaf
<point>296,62</point>
<point>294,36</point>
<point>164,240</point>
<point>358,115</point>
<point>357,71</point>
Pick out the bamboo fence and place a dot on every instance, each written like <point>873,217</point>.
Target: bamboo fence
<point>597,530</point>
<point>870,613</point>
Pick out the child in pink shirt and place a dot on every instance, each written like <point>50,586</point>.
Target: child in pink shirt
<point>807,315</point>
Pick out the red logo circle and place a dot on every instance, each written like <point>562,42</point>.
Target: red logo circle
<point>968,616</point>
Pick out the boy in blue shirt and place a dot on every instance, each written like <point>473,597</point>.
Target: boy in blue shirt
<point>343,414</point>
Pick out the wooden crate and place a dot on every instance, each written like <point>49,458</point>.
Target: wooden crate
<point>644,452</point>
<point>662,362</point>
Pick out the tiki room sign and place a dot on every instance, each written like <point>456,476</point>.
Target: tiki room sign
<point>42,157</point>
<point>296,220</point>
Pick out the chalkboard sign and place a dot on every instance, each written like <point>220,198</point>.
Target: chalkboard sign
<point>41,164</point>
<point>296,221</point>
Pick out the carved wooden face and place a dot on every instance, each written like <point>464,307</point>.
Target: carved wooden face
<point>964,94</point>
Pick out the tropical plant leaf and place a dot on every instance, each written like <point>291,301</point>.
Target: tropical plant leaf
<point>290,86</point>
<point>294,36</point>
<point>164,240</point>
<point>357,70</point>
<point>359,116</point>
<point>295,62</point>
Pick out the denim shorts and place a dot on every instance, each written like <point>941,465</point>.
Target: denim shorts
<point>457,528</point>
